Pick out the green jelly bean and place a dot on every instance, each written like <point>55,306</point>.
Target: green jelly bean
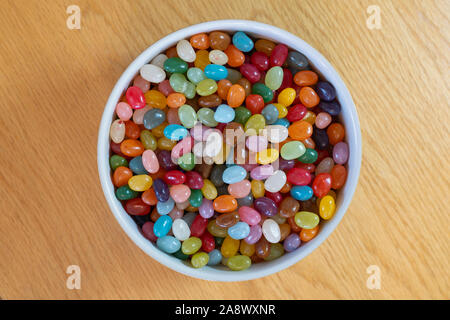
<point>274,78</point>
<point>242,114</point>
<point>187,115</point>
<point>178,82</point>
<point>189,92</point>
<point>148,140</point>
<point>254,124</point>
<point>263,91</point>
<point>200,259</point>
<point>239,262</point>
<point>276,251</point>
<point>310,156</point>
<point>191,245</point>
<point>306,219</point>
<point>187,161</point>
<point>125,193</point>
<point>206,87</point>
<point>175,65</point>
<point>292,150</point>
<point>196,198</point>
<point>180,255</point>
<point>117,161</point>
<point>206,116</point>
<point>195,75</point>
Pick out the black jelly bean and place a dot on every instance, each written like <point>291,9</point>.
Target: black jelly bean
<point>333,107</point>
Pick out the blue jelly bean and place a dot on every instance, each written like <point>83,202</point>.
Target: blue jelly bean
<point>168,244</point>
<point>242,41</point>
<point>302,193</point>
<point>234,174</point>
<point>162,226</point>
<point>165,207</point>
<point>136,165</point>
<point>175,132</point>
<point>161,190</point>
<point>215,257</point>
<point>270,113</point>
<point>239,231</point>
<point>224,114</point>
<point>216,72</point>
<point>282,122</point>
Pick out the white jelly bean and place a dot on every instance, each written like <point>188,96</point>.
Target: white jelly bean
<point>218,57</point>
<point>271,231</point>
<point>159,60</point>
<point>275,133</point>
<point>117,131</point>
<point>181,230</point>
<point>152,73</point>
<point>185,51</point>
<point>276,181</point>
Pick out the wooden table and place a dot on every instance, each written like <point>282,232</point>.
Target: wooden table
<point>55,82</point>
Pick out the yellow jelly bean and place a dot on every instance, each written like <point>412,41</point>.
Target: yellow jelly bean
<point>202,59</point>
<point>158,131</point>
<point>238,263</point>
<point>282,110</point>
<point>140,182</point>
<point>191,245</point>
<point>166,144</point>
<point>200,259</point>
<point>216,230</point>
<point>286,97</point>
<point>230,247</point>
<point>209,190</point>
<point>267,156</point>
<point>155,99</point>
<point>310,117</point>
<point>247,249</point>
<point>257,188</point>
<point>327,207</point>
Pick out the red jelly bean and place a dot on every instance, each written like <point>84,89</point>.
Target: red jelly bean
<point>194,180</point>
<point>147,231</point>
<point>137,207</point>
<point>277,197</point>
<point>260,60</point>
<point>299,176</point>
<point>173,177</point>
<point>321,154</point>
<point>135,97</point>
<point>279,55</point>
<point>254,103</point>
<point>115,147</point>
<point>296,113</point>
<point>208,243</point>
<point>321,184</point>
<point>250,72</point>
<point>198,226</point>
<point>287,80</point>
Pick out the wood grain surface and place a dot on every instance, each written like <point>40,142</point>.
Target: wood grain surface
<point>54,83</point>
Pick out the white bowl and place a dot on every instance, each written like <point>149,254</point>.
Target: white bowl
<point>348,116</point>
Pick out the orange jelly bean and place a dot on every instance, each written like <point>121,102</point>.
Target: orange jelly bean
<point>171,52</point>
<point>336,133</point>
<point>131,147</point>
<point>225,203</point>
<point>306,78</point>
<point>309,234</point>
<point>155,99</point>
<point>132,130</point>
<point>176,100</point>
<point>223,87</point>
<point>338,176</point>
<point>121,176</point>
<point>202,59</point>
<point>308,97</point>
<point>236,57</point>
<point>300,130</point>
<point>149,197</point>
<point>200,41</point>
<point>265,46</point>
<point>235,96</point>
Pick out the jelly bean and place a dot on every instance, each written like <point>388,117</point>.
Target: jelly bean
<point>216,72</point>
<point>206,116</point>
<point>321,184</point>
<point>215,257</point>
<point>155,99</point>
<point>152,73</point>
<point>194,180</point>
<point>275,182</point>
<point>198,226</point>
<point>132,130</point>
<point>135,97</point>
<point>289,207</point>
<point>299,177</point>
<point>274,78</point>
<point>224,114</point>
<point>222,88</point>
<point>306,220</point>
<point>300,130</point>
<point>239,263</point>
<point>208,242</point>
<point>239,231</point>
<point>206,209</point>
<point>196,197</point>
<point>178,82</point>
<point>309,234</point>
<point>121,176</point>
<point>287,82</point>
<point>234,76</point>
<point>165,207</point>
<point>260,60</point>
<point>338,176</point>
<point>176,100</point>
<point>292,150</point>
<point>235,56</point>
<point>336,133</point>
<point>219,40</point>
<point>265,46</point>
<point>229,247</point>
<point>117,161</point>
<point>206,87</point>
<point>254,103</point>
<point>185,51</point>
<point>213,144</point>
<point>262,248</point>
<point>242,115</point>
<point>246,249</point>
<point>257,188</point>
<point>150,161</point>
<point>275,133</point>
<point>171,52</point>
<point>180,255</point>
<point>216,230</point>
<point>235,96</point>
<point>297,61</point>
<point>325,91</point>
<point>159,60</point>
<point>136,206</point>
<point>270,113</point>
<point>271,231</point>
<point>154,118</point>
<point>199,41</point>
<point>278,55</point>
<point>189,216</point>
<point>180,193</point>
<point>225,203</point>
<point>165,143</point>
<point>301,193</point>
<point>195,75</point>
<point>323,119</point>
<point>168,244</point>
<point>209,190</point>
<point>254,235</point>
<point>149,197</point>
<point>117,131</point>
<point>325,166</point>
<point>201,59</point>
<point>124,111</point>
<point>287,96</point>
<point>333,107</point>
<point>276,251</point>
<point>249,215</point>
<point>218,57</point>
<point>141,83</point>
<point>234,174</point>
<point>148,140</point>
<point>308,97</point>
<point>239,189</point>
<point>138,115</point>
<point>250,72</point>
<point>296,113</point>
<point>292,242</point>
<point>265,206</point>
<point>174,177</point>
<point>137,166</point>
<point>340,152</point>
<point>327,207</point>
<point>265,92</point>
<point>210,101</point>
<point>262,172</point>
<point>125,193</point>
<point>275,196</point>
<point>187,116</point>
<point>267,156</point>
<point>242,41</point>
<point>191,245</point>
<point>310,156</point>
<point>216,175</point>
<point>306,78</point>
<point>147,231</point>
<point>162,226</point>
<point>187,161</point>
<point>254,124</point>
<point>140,182</point>
<point>161,190</point>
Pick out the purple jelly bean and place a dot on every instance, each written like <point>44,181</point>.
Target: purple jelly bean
<point>265,206</point>
<point>325,91</point>
<point>161,190</point>
<point>292,242</point>
<point>261,172</point>
<point>254,235</point>
<point>206,209</point>
<point>320,138</point>
<point>165,160</point>
<point>283,164</point>
<point>340,153</point>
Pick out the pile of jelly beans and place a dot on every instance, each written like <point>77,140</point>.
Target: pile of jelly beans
<point>228,150</point>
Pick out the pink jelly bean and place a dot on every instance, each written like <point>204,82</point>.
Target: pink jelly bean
<point>180,193</point>
<point>124,111</point>
<point>176,213</point>
<point>340,153</point>
<point>182,147</point>
<point>135,97</point>
<point>147,231</point>
<point>141,83</point>
<point>323,119</point>
<point>261,172</point>
<point>165,88</point>
<point>249,215</point>
<point>172,116</point>
<point>254,235</point>
<point>150,161</point>
<point>206,209</point>
<point>240,189</point>
<point>256,143</point>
